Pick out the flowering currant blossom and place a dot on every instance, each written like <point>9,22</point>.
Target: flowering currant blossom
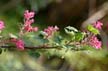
<point>2,25</point>
<point>50,30</point>
<point>95,42</point>
<point>98,25</point>
<point>28,16</point>
<point>19,43</point>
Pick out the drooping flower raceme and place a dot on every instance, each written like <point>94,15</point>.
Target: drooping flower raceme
<point>50,31</point>
<point>98,25</point>
<point>2,25</point>
<point>19,43</point>
<point>28,16</point>
<point>95,42</point>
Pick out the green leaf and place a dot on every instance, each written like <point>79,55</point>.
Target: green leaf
<point>35,54</point>
<point>32,39</point>
<point>79,36</point>
<point>93,30</point>
<point>87,47</point>
<point>70,46</point>
<point>58,39</point>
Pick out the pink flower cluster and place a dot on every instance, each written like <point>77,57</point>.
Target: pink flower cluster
<point>50,30</point>
<point>95,42</point>
<point>2,25</point>
<point>19,43</point>
<point>28,15</point>
<point>98,25</point>
<point>28,21</point>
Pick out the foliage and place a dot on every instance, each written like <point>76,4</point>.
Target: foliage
<point>30,37</point>
<point>49,42</point>
<point>92,29</point>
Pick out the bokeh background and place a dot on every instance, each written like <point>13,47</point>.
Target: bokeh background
<point>61,13</point>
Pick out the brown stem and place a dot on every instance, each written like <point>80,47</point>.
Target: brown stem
<point>37,47</point>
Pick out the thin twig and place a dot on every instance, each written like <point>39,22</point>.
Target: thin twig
<point>37,47</point>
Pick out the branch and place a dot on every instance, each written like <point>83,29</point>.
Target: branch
<point>37,47</point>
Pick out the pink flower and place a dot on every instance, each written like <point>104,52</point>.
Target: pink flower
<point>28,15</point>
<point>2,25</point>
<point>50,30</point>
<point>98,25</point>
<point>28,28</point>
<point>28,22</point>
<point>56,28</point>
<point>95,42</point>
<point>35,29</point>
<point>19,43</point>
